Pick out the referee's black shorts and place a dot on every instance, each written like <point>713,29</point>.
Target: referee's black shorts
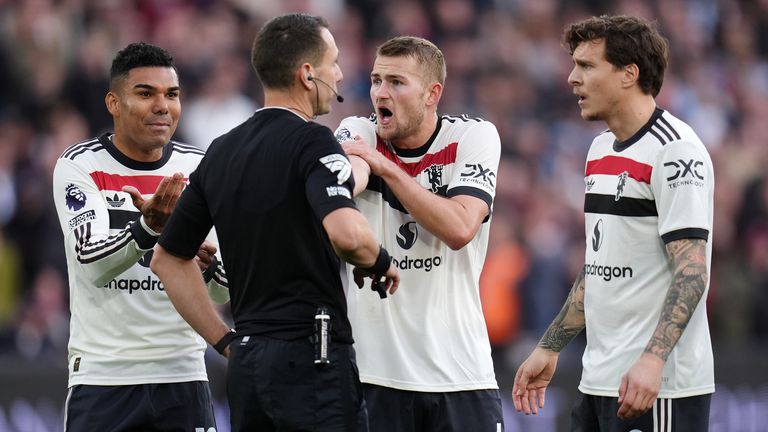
<point>182,406</point>
<point>274,385</point>
<point>598,413</point>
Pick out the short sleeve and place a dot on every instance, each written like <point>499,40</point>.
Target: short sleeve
<point>683,182</point>
<point>190,221</point>
<point>327,173</point>
<point>477,161</point>
<point>354,126</point>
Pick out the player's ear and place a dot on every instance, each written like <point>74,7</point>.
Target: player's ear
<point>630,75</point>
<point>113,103</point>
<point>433,93</point>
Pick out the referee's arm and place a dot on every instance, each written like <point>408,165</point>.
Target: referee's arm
<point>354,242</point>
<point>185,287</point>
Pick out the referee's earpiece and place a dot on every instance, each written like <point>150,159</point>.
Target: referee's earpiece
<point>318,80</point>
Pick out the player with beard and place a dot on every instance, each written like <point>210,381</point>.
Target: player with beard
<point>426,183</point>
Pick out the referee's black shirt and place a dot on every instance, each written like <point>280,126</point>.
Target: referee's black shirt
<point>266,186</point>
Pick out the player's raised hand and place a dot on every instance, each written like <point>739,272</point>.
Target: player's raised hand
<point>532,379</point>
<point>157,209</point>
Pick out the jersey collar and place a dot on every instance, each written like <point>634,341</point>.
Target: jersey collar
<point>421,150</point>
<point>106,141</point>
<point>620,146</point>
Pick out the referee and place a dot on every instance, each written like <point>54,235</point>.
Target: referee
<point>278,190</point>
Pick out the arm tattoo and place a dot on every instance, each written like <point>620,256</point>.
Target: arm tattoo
<point>569,322</point>
<point>689,257</point>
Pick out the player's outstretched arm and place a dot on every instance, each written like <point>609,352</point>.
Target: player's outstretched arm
<point>536,372</point>
<point>157,209</point>
<point>641,384</point>
<point>100,256</point>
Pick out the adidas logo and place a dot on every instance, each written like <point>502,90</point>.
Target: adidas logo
<point>115,201</point>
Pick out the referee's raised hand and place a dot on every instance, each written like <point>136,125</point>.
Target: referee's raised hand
<point>157,209</point>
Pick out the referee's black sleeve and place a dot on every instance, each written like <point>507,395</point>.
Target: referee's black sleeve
<point>189,223</point>
<point>328,174</point>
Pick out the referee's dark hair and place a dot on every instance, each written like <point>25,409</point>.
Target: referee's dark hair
<point>628,40</point>
<point>136,55</point>
<point>284,43</point>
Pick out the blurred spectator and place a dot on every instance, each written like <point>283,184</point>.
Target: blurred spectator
<point>10,286</point>
<point>87,81</point>
<point>506,264</point>
<point>221,104</point>
<point>43,328</point>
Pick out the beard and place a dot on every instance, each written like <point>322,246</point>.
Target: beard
<point>410,127</point>
<point>592,116</point>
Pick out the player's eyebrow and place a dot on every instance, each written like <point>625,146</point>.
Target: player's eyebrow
<point>153,88</point>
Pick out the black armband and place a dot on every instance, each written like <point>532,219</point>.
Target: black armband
<point>224,342</point>
<point>382,263</point>
<point>211,270</point>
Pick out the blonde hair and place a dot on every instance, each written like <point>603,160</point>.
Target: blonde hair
<point>427,54</point>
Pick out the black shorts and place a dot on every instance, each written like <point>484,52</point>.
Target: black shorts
<point>143,407</point>
<point>598,414</point>
<point>274,385</point>
<point>392,410</point>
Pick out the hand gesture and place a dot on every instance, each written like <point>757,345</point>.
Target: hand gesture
<point>357,147</point>
<point>532,379</point>
<point>157,209</point>
<point>640,386</point>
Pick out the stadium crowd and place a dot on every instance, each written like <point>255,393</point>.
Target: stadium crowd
<point>505,64</point>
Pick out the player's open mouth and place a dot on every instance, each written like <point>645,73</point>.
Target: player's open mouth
<point>385,115</point>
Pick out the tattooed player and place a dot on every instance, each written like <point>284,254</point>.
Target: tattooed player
<point>648,214</point>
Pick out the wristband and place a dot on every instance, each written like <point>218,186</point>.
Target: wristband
<point>224,342</point>
<point>382,263</point>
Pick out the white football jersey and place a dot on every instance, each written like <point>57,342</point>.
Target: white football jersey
<point>430,335</point>
<point>654,188</point>
<point>123,328</point>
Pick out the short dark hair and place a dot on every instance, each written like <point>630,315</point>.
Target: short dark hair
<point>628,40</point>
<point>283,44</point>
<point>427,54</point>
<point>136,55</point>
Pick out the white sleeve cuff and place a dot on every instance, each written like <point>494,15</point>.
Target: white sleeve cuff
<point>149,230</point>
